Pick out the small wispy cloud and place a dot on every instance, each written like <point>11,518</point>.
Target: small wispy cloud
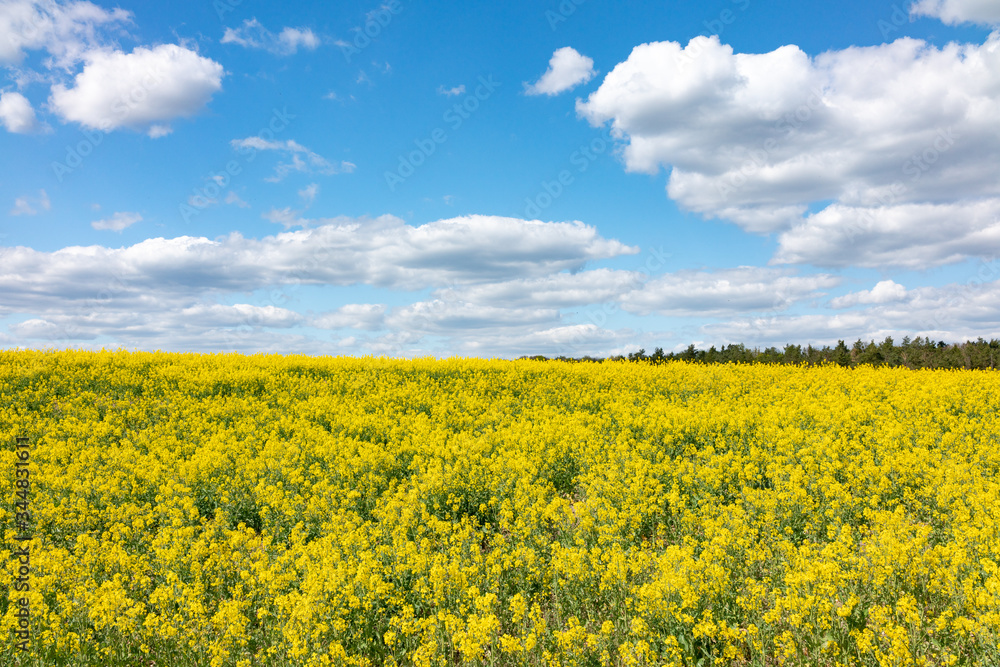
<point>233,198</point>
<point>117,222</point>
<point>302,159</point>
<point>253,35</point>
<point>201,201</point>
<point>31,205</point>
<point>286,217</point>
<point>309,193</point>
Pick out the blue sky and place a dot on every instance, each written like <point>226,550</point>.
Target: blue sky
<point>497,179</point>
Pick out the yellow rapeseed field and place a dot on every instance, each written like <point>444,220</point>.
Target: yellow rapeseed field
<point>290,510</point>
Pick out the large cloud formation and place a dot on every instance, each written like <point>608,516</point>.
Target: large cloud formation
<point>770,141</point>
<point>471,285</point>
<point>170,288</point>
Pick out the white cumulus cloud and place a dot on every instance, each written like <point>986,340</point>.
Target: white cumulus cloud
<point>912,236</point>
<point>759,139</point>
<point>16,113</point>
<point>886,291</point>
<point>369,316</point>
<point>744,289</point>
<point>558,290</point>
<point>954,312</point>
<point>240,314</point>
<point>143,90</point>
<point>567,69</point>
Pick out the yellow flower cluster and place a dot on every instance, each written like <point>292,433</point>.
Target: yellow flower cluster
<point>231,510</point>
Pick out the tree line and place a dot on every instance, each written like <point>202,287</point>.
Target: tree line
<point>916,353</point>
